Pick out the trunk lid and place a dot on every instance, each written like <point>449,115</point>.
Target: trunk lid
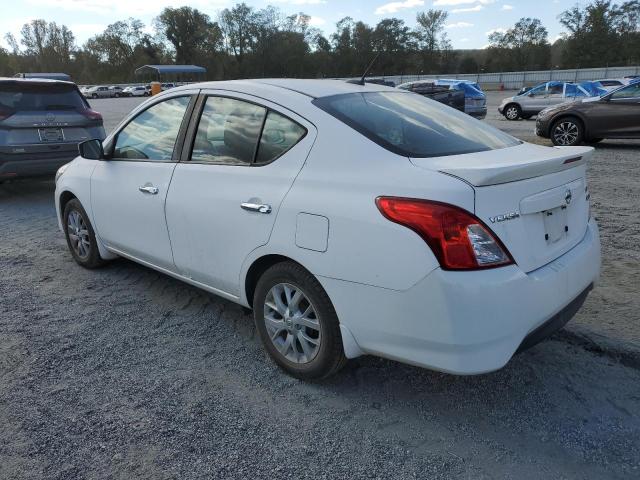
<point>535,199</point>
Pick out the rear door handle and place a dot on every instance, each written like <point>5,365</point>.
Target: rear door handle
<point>149,189</point>
<point>256,207</point>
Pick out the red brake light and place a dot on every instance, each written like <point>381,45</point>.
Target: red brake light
<point>458,239</point>
<point>91,114</point>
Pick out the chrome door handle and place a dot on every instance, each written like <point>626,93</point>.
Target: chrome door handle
<point>149,189</point>
<point>256,207</point>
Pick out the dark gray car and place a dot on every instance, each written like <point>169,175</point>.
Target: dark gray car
<point>41,124</point>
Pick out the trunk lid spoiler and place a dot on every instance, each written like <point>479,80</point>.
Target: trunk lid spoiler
<point>507,164</point>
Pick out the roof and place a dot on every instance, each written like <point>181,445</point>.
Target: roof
<point>34,80</point>
<point>48,75</point>
<point>170,69</point>
<point>309,88</point>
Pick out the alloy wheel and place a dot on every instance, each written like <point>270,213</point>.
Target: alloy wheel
<point>512,113</point>
<point>566,133</point>
<point>78,234</point>
<point>292,323</point>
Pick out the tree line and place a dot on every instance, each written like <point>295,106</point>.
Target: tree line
<point>245,42</point>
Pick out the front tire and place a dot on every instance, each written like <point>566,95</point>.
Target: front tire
<point>297,323</point>
<point>81,238</point>
<point>512,112</point>
<point>567,132</point>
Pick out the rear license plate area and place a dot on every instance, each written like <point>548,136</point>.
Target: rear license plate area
<point>555,224</point>
<point>51,135</point>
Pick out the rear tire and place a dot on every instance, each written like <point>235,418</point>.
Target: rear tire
<point>80,236</point>
<point>95,95</point>
<point>297,323</point>
<point>512,112</point>
<point>567,132</point>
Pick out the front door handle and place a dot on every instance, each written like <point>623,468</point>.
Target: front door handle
<point>149,189</point>
<point>256,207</point>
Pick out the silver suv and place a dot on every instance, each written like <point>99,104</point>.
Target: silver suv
<point>531,102</point>
<point>41,124</point>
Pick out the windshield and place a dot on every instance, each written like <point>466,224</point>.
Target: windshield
<point>37,96</point>
<point>413,126</point>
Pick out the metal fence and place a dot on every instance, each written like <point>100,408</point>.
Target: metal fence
<point>517,80</point>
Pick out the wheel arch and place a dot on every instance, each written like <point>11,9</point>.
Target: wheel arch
<point>257,268</point>
<point>65,197</point>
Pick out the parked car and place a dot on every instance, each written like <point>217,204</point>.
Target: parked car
<point>614,115</point>
<point>611,83</point>
<point>594,89</point>
<point>83,89</point>
<point>475,100</point>
<point>115,91</point>
<point>166,86</point>
<point>41,124</point>
<point>540,97</point>
<point>136,91</point>
<point>99,91</point>
<point>352,220</point>
<point>452,97</point>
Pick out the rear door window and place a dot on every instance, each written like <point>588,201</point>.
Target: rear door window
<point>278,136</point>
<point>228,131</point>
<point>413,126</point>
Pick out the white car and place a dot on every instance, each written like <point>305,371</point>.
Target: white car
<point>352,219</point>
<point>136,91</point>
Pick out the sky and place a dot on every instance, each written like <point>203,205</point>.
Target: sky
<point>469,22</point>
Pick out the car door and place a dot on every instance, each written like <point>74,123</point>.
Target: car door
<point>225,194</point>
<point>556,93</point>
<point>129,188</point>
<point>534,100</point>
<point>617,115</point>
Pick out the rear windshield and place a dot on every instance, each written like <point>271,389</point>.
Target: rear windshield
<point>414,126</point>
<point>37,96</point>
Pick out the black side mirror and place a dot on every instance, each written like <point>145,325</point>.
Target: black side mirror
<point>91,150</point>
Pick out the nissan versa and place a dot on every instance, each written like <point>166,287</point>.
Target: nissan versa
<point>352,219</point>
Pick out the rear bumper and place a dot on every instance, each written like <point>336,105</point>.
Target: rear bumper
<point>468,322</point>
<point>476,112</point>
<point>32,161</point>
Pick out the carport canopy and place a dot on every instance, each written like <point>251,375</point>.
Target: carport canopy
<point>159,70</point>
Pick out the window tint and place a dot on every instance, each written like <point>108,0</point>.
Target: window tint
<point>555,89</point>
<point>412,125</point>
<point>152,134</point>
<point>632,91</point>
<point>228,131</point>
<point>278,136</point>
<point>540,90</point>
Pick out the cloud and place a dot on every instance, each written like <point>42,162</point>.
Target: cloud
<point>123,7</point>
<point>446,3</point>
<point>393,7</point>
<point>507,7</point>
<point>496,30</point>
<point>477,8</point>
<point>459,25</point>
<point>317,21</point>
<point>301,2</point>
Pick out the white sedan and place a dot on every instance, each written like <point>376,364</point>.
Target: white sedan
<point>352,219</point>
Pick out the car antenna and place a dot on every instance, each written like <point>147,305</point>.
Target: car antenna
<point>366,71</point>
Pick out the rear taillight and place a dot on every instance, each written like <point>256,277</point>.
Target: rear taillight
<point>91,114</point>
<point>458,239</point>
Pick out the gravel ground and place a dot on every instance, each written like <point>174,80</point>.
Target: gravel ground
<point>126,373</point>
